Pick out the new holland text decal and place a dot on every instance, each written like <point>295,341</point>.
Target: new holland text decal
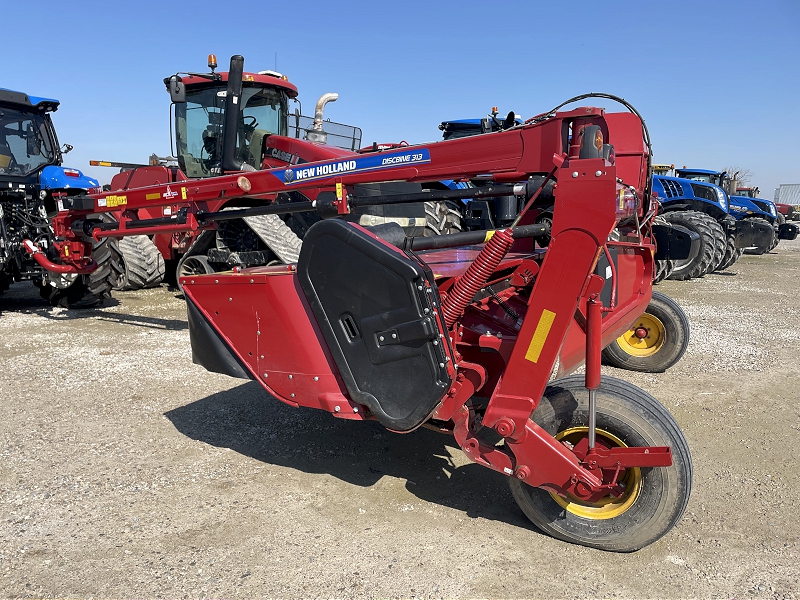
<point>355,165</point>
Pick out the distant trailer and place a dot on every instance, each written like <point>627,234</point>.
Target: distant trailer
<point>788,193</point>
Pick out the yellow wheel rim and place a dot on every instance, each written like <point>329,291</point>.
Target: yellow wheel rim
<point>609,507</point>
<point>652,342</point>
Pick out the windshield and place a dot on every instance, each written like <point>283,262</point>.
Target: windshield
<point>24,142</point>
<point>199,125</point>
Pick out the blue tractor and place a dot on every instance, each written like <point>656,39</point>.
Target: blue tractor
<point>693,201</point>
<point>32,181</point>
<point>746,206</point>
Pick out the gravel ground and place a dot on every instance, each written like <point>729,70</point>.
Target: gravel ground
<point>128,471</point>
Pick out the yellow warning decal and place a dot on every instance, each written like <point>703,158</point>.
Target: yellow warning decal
<point>489,235</point>
<point>112,201</point>
<point>155,196</point>
<point>540,335</point>
<point>338,191</point>
<point>621,198</point>
<point>183,193</point>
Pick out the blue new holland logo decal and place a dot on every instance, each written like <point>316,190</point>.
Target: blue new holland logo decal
<point>375,162</point>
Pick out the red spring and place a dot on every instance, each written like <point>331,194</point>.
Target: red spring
<point>476,276</point>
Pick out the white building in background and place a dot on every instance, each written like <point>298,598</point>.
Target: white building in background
<point>788,193</point>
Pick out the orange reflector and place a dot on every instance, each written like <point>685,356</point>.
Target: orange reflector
<point>244,184</point>
<point>598,140</point>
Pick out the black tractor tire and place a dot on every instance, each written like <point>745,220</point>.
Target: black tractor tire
<point>663,270</point>
<point>759,250</point>
<point>442,217</point>
<point>720,244</point>
<point>732,254</point>
<point>780,221</point>
<point>144,264</point>
<point>664,345</point>
<point>92,289</point>
<point>655,498</point>
<point>706,227</point>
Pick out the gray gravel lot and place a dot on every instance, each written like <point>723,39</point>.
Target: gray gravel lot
<point>128,471</point>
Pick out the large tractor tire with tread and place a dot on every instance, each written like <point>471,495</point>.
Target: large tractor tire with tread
<point>655,342</point>
<point>706,227</point>
<point>759,250</point>
<point>654,498</point>
<point>720,245</point>
<point>92,289</point>
<point>442,217</point>
<point>732,254</point>
<point>780,221</point>
<point>664,269</point>
<point>144,264</point>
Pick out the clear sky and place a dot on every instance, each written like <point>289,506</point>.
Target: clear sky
<point>718,82</point>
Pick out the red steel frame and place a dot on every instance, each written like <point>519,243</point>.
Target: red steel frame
<point>562,312</point>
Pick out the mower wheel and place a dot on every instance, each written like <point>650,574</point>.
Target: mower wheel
<point>144,265</point>
<point>654,498</point>
<point>706,227</point>
<point>545,219</point>
<point>195,264</point>
<point>732,254</point>
<point>656,341</point>
<point>442,217</point>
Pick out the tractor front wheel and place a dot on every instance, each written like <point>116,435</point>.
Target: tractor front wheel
<point>656,341</point>
<point>707,228</point>
<point>654,498</point>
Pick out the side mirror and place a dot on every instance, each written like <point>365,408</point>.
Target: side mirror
<point>177,90</point>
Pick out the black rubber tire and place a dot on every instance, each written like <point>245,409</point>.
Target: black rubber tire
<point>637,419</point>
<point>732,254</point>
<point>673,347</point>
<point>90,290</point>
<point>442,217</point>
<point>195,264</point>
<point>663,270</point>
<point>720,244</point>
<point>545,219</point>
<point>144,265</point>
<point>759,250</point>
<point>780,221</point>
<point>705,226</point>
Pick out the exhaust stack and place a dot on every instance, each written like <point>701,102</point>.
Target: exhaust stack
<point>316,134</point>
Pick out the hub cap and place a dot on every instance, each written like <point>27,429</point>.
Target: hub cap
<point>645,338</point>
<point>608,507</point>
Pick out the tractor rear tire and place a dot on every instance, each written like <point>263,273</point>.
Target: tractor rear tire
<point>732,254</point>
<point>90,290</point>
<point>654,498</point>
<point>144,265</point>
<point>442,217</point>
<point>706,227</point>
<point>666,341</point>
<point>720,244</point>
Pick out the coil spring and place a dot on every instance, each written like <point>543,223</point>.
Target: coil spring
<point>476,276</point>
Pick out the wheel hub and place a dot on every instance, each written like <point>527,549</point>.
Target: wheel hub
<point>645,338</point>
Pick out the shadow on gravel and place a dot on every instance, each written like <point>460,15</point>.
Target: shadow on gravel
<point>22,300</point>
<point>246,419</point>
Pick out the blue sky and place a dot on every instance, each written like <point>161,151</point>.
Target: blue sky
<point>717,82</point>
